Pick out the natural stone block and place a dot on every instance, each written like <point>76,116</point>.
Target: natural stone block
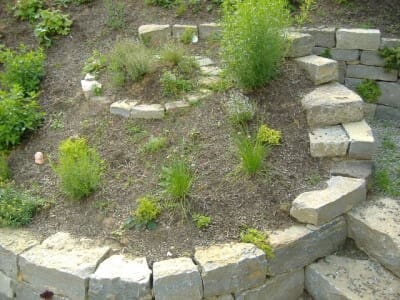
<point>375,227</point>
<point>363,39</point>
<point>209,30</point>
<point>178,29</point>
<point>230,268</point>
<point>122,108</point>
<point>352,83</point>
<point>362,141</point>
<point>289,286</point>
<point>372,58</point>
<point>121,278</point>
<point>301,44</point>
<point>148,111</point>
<point>371,72</point>
<point>223,297</point>
<point>196,97</point>
<point>369,110</point>
<point>319,69</point>
<point>176,106</point>
<point>389,42</point>
<point>155,34</point>
<point>345,54</point>
<point>332,104</point>
<point>177,278</point>
<point>319,50</point>
<point>204,61</point>
<point>321,206</point>
<point>387,113</point>
<point>342,71</point>
<point>390,94</point>
<point>61,264</point>
<point>88,87</point>
<point>24,291</point>
<point>323,36</point>
<point>6,286</point>
<point>210,70</point>
<point>13,242</point>
<point>346,279</point>
<point>300,245</point>
<point>353,168</point>
<point>328,142</point>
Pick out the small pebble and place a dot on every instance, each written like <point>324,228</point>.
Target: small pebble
<point>39,160</point>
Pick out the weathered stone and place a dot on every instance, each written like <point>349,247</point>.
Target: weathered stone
<point>230,268</point>
<point>223,297</point>
<point>321,206</point>
<point>177,278</point>
<point>353,168</point>
<point>342,71</point>
<point>122,108</point>
<point>176,106</point>
<point>24,291</point>
<point>390,94</point>
<point>332,104</point>
<point>148,111</point>
<point>387,113</point>
<point>204,61</point>
<point>154,34</point>
<point>6,286</point>
<point>208,81</point>
<point>352,83</point>
<point>369,110</point>
<point>328,142</point>
<point>289,286</point>
<point>209,30</point>
<point>347,279</point>
<point>345,54</point>
<point>178,29</point>
<point>323,36</point>
<point>13,242</point>
<point>375,227</point>
<point>362,141</point>
<point>363,39</point>
<point>389,42</point>
<point>88,87</point>
<point>371,72</point>
<point>319,69</point>
<point>300,245</point>
<point>372,58</point>
<point>319,50</point>
<point>121,278</point>
<point>61,264</point>
<point>195,98</point>
<point>210,70</point>
<point>301,44</point>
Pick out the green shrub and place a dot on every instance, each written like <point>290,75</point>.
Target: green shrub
<point>26,9</point>
<point>187,36</point>
<point>94,64</point>
<point>19,114</point>
<point>176,179</point>
<point>23,67</point>
<point>201,221</point>
<point>391,57</point>
<point>257,238</point>
<point>145,215</point>
<point>79,168</point>
<point>4,171</point>
<point>52,23</point>
<point>369,90</point>
<point>252,42</point>
<point>239,108</point>
<point>268,135</point>
<point>174,85</point>
<point>154,144</point>
<point>115,13</point>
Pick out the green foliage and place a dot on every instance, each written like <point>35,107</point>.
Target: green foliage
<point>172,54</point>
<point>201,221</point>
<point>4,171</point>
<point>52,23</point>
<point>268,135</point>
<point>252,42</point>
<point>145,215</point>
<point>174,84</point>
<point>257,238</point>
<point>326,53</point>
<point>94,64</point>
<point>162,3</point>
<point>154,144</point>
<point>23,67</point>
<point>176,179</point>
<point>115,14</point>
<point>79,168</point>
<point>239,108</point>
<point>305,8</point>
<point>187,36</point>
<point>369,90</point>
<point>19,114</point>
<point>26,10</point>
<point>391,57</point>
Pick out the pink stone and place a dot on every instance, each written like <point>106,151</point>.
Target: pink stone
<point>39,160</point>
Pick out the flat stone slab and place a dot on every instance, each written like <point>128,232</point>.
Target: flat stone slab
<point>347,279</point>
<point>323,36</point>
<point>332,104</point>
<point>176,106</point>
<point>230,268</point>
<point>390,94</point>
<point>372,58</point>
<point>177,278</point>
<point>196,97</point>
<point>209,30</point>
<point>353,168</point>
<point>122,108</point>
<point>178,29</point>
<point>362,141</point>
<point>363,39</point>
<point>204,61</point>
<point>61,264</point>
<point>300,245</point>
<point>321,206</point>
<point>301,44</point>
<point>119,277</point>
<point>289,286</point>
<point>371,72</point>
<point>155,34</point>
<point>88,87</point>
<point>319,69</point>
<point>210,70</point>
<point>328,142</point>
<point>375,227</point>
<point>148,111</point>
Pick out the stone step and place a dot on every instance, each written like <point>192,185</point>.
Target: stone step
<point>329,142</point>
<point>375,227</point>
<point>321,206</point>
<point>301,44</point>
<point>332,104</point>
<point>362,141</point>
<point>319,69</point>
<point>344,278</point>
<point>353,168</point>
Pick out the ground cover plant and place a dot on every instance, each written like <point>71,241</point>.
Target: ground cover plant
<point>368,90</point>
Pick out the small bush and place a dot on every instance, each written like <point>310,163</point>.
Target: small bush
<point>79,168</point>
<point>257,238</point>
<point>391,57</point>
<point>4,171</point>
<point>94,64</point>
<point>115,14</point>
<point>172,54</point>
<point>368,90</point>
<point>26,9</point>
<point>239,108</point>
<point>268,135</point>
<point>174,85</point>
<point>187,36</point>
<point>176,179</point>
<point>154,144</point>
<point>145,215</point>
<point>201,221</point>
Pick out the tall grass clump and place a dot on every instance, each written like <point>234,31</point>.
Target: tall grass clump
<point>176,179</point>
<point>253,43</point>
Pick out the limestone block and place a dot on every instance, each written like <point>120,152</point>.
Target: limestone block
<point>353,168</point>
<point>390,94</point>
<point>223,297</point>
<point>332,104</point>
<point>24,291</point>
<point>323,36</point>
<point>289,286</point>
<point>345,54</point>
<point>319,50</point>
<point>352,83</point>
<point>342,71</point>
<point>371,72</point>
<point>375,227</point>
<point>347,279</point>
<point>122,108</point>
<point>319,69</point>
<point>196,97</point>
<point>13,242</point>
<point>301,44</point>
<point>362,141</point>
<point>176,106</point>
<point>6,286</point>
<point>61,264</point>
<point>88,87</point>
<point>230,268</point>
<point>209,30</point>
<point>372,58</point>
<point>369,111</point>
<point>387,113</point>
<point>321,206</point>
<point>119,277</point>
<point>204,61</point>
<point>363,39</point>
<point>328,142</point>
<point>148,111</point>
<point>389,42</point>
<point>155,34</point>
<point>177,278</point>
<point>300,245</point>
<point>178,29</point>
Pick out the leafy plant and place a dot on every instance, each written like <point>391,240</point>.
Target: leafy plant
<point>26,9</point>
<point>252,44</point>
<point>79,168</point>
<point>154,144</point>
<point>187,36</point>
<point>201,221</point>
<point>239,108</point>
<point>176,179</point>
<point>391,57</point>
<point>145,215</point>
<point>257,238</point>
<point>4,171</point>
<point>97,90</point>
<point>115,14</point>
<point>174,85</point>
<point>94,64</point>
<point>268,135</point>
<point>369,90</point>
<point>52,23</point>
